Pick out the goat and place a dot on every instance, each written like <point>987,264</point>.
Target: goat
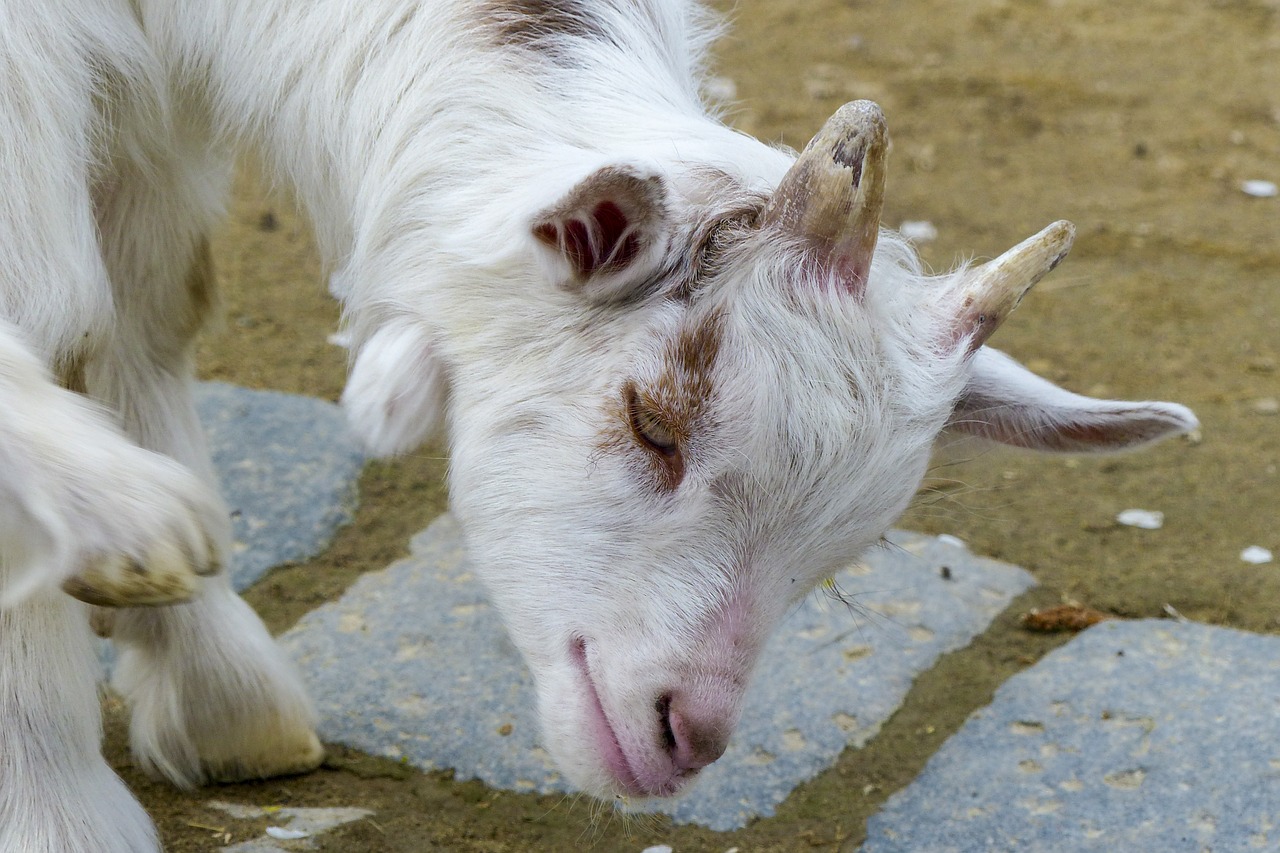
<point>683,375</point>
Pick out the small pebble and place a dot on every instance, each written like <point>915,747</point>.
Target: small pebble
<point>1263,364</point>
<point>1267,406</point>
<point>1260,189</point>
<point>919,231</point>
<point>283,834</point>
<point>1146,519</point>
<point>1256,555</point>
<point>954,541</point>
<point>657,848</point>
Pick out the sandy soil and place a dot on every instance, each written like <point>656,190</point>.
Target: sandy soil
<point>1138,121</point>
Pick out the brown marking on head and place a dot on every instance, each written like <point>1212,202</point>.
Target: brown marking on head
<point>534,24</point>
<point>678,400</point>
<point>732,214</point>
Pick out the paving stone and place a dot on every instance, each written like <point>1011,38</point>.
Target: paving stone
<point>1149,735</point>
<point>413,663</point>
<point>287,467</point>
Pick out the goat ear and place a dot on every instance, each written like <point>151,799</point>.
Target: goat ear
<point>397,393</point>
<point>607,233</point>
<point>1007,403</point>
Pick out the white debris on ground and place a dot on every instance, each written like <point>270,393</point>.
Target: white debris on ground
<point>1256,555</point>
<point>1267,406</point>
<point>291,825</point>
<point>948,539</point>
<point>1145,519</point>
<point>919,231</point>
<point>1260,189</point>
<point>657,848</point>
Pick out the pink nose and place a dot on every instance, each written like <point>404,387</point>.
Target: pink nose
<point>695,732</point>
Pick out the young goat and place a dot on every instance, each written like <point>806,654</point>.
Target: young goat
<point>683,375</point>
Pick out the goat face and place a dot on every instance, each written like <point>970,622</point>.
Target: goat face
<point>734,396</point>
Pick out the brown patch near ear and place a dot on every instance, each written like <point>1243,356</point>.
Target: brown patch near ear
<point>731,215</point>
<point>713,240</point>
<point>534,24</point>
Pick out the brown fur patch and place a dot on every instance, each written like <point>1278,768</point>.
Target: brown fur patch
<point>534,24</point>
<point>731,215</point>
<point>678,398</point>
<point>202,284</point>
<point>70,372</point>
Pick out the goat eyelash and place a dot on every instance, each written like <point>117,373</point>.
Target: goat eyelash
<point>649,427</point>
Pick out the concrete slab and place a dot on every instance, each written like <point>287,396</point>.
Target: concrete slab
<point>412,663</point>
<point>1150,735</point>
<point>288,469</point>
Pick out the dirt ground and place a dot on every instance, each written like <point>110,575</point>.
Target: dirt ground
<point>1138,121</point>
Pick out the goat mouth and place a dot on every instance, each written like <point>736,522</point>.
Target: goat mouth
<point>605,736</point>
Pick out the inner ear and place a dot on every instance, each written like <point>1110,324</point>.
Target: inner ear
<point>608,232</point>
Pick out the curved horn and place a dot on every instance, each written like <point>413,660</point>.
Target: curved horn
<point>833,195</point>
<point>990,294</point>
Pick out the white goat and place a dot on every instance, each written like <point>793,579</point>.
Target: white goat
<point>681,383</point>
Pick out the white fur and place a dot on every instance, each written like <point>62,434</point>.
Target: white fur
<point>56,791</point>
<point>426,151</point>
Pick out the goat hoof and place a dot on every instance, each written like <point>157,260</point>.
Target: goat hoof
<point>301,752</point>
<point>169,574</point>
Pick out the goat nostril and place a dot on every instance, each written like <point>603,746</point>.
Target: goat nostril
<point>663,707</point>
<point>692,743</point>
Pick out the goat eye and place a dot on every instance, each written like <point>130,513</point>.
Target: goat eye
<point>649,426</point>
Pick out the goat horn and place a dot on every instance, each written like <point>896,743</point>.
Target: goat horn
<point>990,294</point>
<point>833,194</point>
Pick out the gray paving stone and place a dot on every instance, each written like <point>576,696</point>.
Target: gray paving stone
<point>412,663</point>
<point>1151,735</point>
<point>288,469</point>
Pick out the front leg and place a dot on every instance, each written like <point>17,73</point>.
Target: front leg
<point>56,791</point>
<point>212,697</point>
<point>83,507</point>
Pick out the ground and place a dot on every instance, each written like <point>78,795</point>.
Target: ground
<point>1139,122</point>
